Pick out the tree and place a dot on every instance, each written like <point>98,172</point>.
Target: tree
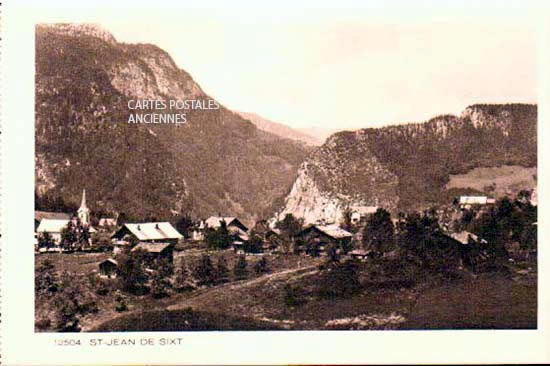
<point>130,271</point>
<point>261,266</point>
<point>290,225</point>
<point>378,234</point>
<point>218,238</point>
<point>45,279</point>
<point>45,240</point>
<point>339,280</point>
<point>159,285</point>
<point>347,223</point>
<point>184,225</point>
<point>183,275</point>
<point>121,219</point>
<point>332,253</point>
<point>254,243</point>
<point>239,270</point>
<point>222,272</point>
<point>204,271</point>
<point>68,236</point>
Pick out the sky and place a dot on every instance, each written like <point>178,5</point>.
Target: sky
<point>344,67</point>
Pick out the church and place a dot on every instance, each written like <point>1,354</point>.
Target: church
<point>53,223</point>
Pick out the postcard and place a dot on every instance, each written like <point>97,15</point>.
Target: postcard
<point>299,183</point>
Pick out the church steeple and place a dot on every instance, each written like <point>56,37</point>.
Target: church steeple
<point>83,211</point>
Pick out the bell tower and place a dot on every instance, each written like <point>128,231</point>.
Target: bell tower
<point>84,211</point>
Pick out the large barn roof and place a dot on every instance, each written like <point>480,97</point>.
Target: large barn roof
<point>473,200</point>
<point>334,231</point>
<point>40,215</point>
<point>52,226</point>
<point>151,247</point>
<point>462,237</point>
<point>215,222</point>
<point>153,231</point>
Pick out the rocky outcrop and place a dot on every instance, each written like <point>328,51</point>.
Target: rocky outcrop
<point>406,167</point>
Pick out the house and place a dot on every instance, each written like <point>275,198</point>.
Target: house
<point>318,237</point>
<point>151,232</point>
<point>106,222</point>
<point>359,254</point>
<point>119,245</point>
<point>53,227</point>
<point>361,213</point>
<point>155,251</point>
<point>108,268</point>
<point>231,222</point>
<point>464,237</point>
<point>469,201</point>
<point>40,215</point>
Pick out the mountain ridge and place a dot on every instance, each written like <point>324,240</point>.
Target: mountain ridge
<point>216,163</point>
<point>406,166</point>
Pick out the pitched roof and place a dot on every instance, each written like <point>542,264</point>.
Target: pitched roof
<point>52,226</point>
<point>106,221</point>
<point>473,200</point>
<point>462,237</point>
<point>153,231</point>
<point>39,215</point>
<point>215,221</point>
<point>151,247</point>
<point>360,252</point>
<point>334,231</point>
<point>110,260</point>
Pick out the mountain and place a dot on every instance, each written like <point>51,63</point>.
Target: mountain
<point>280,129</point>
<point>407,167</point>
<point>319,133</point>
<point>217,162</point>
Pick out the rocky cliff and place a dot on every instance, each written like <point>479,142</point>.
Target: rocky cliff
<point>406,167</point>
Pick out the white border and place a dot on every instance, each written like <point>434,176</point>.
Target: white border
<point>21,346</point>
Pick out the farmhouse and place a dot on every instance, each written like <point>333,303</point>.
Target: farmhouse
<point>361,213</point>
<point>469,201</point>
<point>465,237</point>
<point>231,222</point>
<point>107,222</point>
<point>152,232</point>
<point>319,236</point>
<point>52,227</point>
<point>40,215</point>
<point>359,254</point>
<point>108,268</point>
<point>155,251</point>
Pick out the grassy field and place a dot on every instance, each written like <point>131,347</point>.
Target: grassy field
<point>488,301</point>
<point>507,179</point>
<point>82,266</point>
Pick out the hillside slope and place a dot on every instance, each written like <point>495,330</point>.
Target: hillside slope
<point>216,163</point>
<point>407,167</point>
<point>280,129</point>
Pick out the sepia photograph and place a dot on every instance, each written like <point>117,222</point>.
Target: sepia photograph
<point>334,173</point>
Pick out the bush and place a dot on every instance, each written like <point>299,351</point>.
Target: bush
<point>261,266</point>
<point>204,271</point>
<point>293,295</point>
<point>222,272</point>
<point>239,270</point>
<point>339,280</point>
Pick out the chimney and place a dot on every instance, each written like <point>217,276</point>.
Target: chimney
<point>157,226</point>
<point>139,228</point>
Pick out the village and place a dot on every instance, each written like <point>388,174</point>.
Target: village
<point>154,259</point>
